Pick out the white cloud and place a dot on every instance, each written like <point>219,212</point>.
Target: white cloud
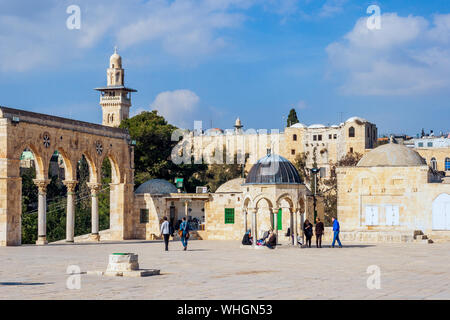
<point>408,55</point>
<point>331,8</point>
<point>182,27</point>
<point>301,105</point>
<point>34,34</point>
<point>177,106</point>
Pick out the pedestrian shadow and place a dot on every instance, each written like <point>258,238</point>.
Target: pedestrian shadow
<point>24,283</point>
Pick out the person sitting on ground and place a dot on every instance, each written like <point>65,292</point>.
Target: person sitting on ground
<point>271,241</point>
<point>247,240</point>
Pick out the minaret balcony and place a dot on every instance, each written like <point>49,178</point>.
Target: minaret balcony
<point>115,99</point>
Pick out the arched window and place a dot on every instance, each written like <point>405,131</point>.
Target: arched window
<point>447,164</point>
<point>294,137</point>
<point>433,164</point>
<point>351,132</point>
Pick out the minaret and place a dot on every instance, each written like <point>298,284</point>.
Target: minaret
<point>116,98</point>
<point>238,126</point>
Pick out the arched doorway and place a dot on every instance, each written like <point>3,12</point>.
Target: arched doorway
<point>441,212</point>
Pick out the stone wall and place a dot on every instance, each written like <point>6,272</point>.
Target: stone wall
<point>405,187</point>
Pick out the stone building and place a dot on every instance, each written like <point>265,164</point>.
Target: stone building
<point>391,195</point>
<point>272,196</point>
<point>157,198</point>
<point>319,143</point>
<point>436,152</point>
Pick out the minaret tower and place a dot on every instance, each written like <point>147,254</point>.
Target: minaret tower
<point>238,126</point>
<point>115,97</point>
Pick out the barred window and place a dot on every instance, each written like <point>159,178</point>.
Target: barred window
<point>229,215</point>
<point>144,216</point>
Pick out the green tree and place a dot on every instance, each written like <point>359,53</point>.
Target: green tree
<point>292,118</point>
<point>153,136</point>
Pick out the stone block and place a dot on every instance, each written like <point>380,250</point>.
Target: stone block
<point>123,262</point>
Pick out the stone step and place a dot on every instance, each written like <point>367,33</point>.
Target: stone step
<point>423,241</point>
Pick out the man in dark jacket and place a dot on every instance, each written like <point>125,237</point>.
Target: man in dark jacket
<point>319,232</point>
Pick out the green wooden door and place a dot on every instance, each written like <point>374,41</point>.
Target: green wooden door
<point>280,219</point>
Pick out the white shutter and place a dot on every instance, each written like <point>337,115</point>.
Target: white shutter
<point>389,216</point>
<point>396,215</point>
<point>371,215</point>
<point>392,215</point>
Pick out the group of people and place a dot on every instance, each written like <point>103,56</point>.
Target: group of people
<point>319,231</point>
<point>269,239</point>
<point>167,231</point>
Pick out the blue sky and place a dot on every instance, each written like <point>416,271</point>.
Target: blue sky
<point>216,60</point>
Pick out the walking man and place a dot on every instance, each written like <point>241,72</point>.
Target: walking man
<point>319,232</point>
<point>165,231</point>
<point>336,232</point>
<point>184,230</point>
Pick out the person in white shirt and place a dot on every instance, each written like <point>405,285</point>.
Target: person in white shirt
<point>165,231</point>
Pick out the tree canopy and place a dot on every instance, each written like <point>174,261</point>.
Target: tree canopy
<point>292,118</point>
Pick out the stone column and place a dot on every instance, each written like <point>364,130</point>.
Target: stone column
<point>291,221</point>
<point>95,187</point>
<point>186,211</point>
<point>245,220</point>
<point>295,227</point>
<point>275,222</point>
<point>302,217</point>
<point>255,237</point>
<point>70,217</point>
<point>42,210</point>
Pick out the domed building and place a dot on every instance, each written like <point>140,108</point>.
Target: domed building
<point>272,195</point>
<point>157,198</point>
<point>391,195</point>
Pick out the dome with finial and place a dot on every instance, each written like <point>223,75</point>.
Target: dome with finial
<point>273,169</point>
<point>115,61</point>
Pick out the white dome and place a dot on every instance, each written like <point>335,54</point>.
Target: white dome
<point>391,155</point>
<point>233,185</point>
<point>115,61</point>
<point>316,126</point>
<point>298,125</point>
<point>356,119</point>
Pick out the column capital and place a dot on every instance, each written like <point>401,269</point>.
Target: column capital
<point>94,187</point>
<point>252,210</point>
<point>42,185</point>
<point>275,210</point>
<point>70,184</point>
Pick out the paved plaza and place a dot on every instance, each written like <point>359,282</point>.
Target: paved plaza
<point>223,270</point>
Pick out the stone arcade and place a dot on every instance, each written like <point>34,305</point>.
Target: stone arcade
<point>44,134</point>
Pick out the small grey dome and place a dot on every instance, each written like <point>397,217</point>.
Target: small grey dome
<point>391,155</point>
<point>273,169</point>
<point>156,186</point>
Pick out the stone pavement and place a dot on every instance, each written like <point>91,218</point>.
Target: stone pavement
<point>222,270</point>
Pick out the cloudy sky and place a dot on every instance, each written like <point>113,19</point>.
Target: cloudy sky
<point>215,60</point>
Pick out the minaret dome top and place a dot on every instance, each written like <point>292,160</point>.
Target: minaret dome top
<point>115,61</point>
